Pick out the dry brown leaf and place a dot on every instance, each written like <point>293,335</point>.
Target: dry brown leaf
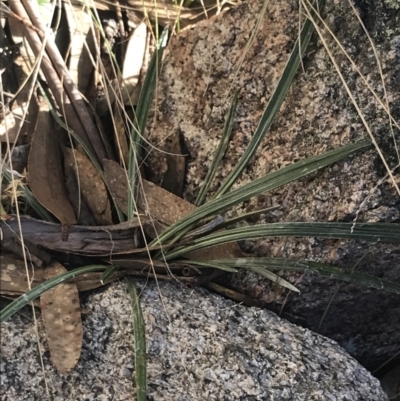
<point>132,263</point>
<point>91,184</point>
<point>13,279</point>
<point>116,180</point>
<point>82,211</point>
<point>154,201</point>
<point>62,320</point>
<point>45,174</point>
<point>14,282</point>
<point>162,206</point>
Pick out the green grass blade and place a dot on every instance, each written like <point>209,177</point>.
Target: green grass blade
<point>36,292</point>
<point>207,265</point>
<point>219,153</point>
<point>108,273</point>
<point>140,342</point>
<point>142,112</point>
<point>274,103</point>
<point>149,84</point>
<point>246,216</point>
<point>375,232</point>
<point>270,276</point>
<point>263,184</point>
<point>231,265</point>
<point>322,269</point>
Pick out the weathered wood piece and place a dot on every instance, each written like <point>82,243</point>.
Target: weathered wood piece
<point>82,240</point>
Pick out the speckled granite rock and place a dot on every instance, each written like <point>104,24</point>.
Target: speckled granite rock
<point>204,65</point>
<point>200,347</point>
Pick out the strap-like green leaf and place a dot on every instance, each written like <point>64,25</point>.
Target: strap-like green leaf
<point>274,103</point>
<point>142,113</point>
<point>263,184</point>
<point>305,266</point>
<point>206,265</point>
<point>36,292</point>
<point>219,153</point>
<point>375,232</point>
<point>108,273</point>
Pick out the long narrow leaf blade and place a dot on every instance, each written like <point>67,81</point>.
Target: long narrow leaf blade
<point>322,269</point>
<point>274,103</point>
<point>36,292</point>
<point>219,153</point>
<point>149,84</point>
<point>375,232</point>
<point>263,184</point>
<point>142,112</point>
<point>206,265</point>
<point>140,342</point>
<point>231,266</point>
<point>247,216</point>
<point>271,276</point>
<point>108,273</point>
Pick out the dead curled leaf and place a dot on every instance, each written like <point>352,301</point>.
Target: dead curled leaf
<point>91,184</point>
<point>62,319</point>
